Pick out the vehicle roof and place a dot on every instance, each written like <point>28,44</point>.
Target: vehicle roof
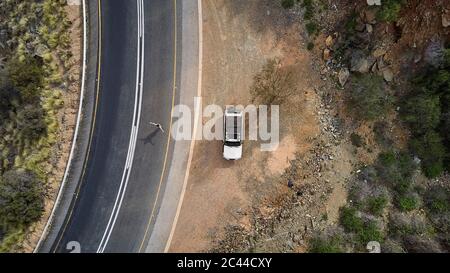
<point>233,127</point>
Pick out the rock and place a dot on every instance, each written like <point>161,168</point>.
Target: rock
<point>374,68</point>
<point>434,52</point>
<point>290,184</point>
<point>369,28</point>
<point>326,54</point>
<point>417,58</point>
<point>329,41</point>
<point>381,64</point>
<point>343,76</point>
<point>374,2</point>
<point>359,63</point>
<point>388,75</point>
<point>360,27</point>
<point>446,19</point>
<point>3,36</point>
<point>40,50</point>
<point>73,2</point>
<point>370,16</point>
<point>379,52</point>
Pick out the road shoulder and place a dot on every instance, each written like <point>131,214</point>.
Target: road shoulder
<point>74,173</point>
<point>188,89</point>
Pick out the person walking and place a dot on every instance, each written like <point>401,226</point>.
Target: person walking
<point>157,125</point>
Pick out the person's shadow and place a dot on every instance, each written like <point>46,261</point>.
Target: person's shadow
<point>149,139</point>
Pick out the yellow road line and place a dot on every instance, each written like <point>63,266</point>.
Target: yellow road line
<point>170,126</point>
<point>93,121</point>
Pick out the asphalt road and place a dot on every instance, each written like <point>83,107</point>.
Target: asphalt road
<point>126,170</point>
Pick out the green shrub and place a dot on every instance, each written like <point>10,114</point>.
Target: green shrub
<point>27,76</point>
<point>287,4</point>
<point>392,246</point>
<point>9,242</point>
<point>309,9</point>
<point>370,232</point>
<point>22,198</point>
<point>369,98</point>
<point>309,14</point>
<point>376,205</point>
<point>396,169</point>
<point>356,140</point>
<point>390,10</point>
<point>431,151</point>
<point>321,244</point>
<point>351,23</point>
<point>427,112</point>
<point>422,113</point>
<point>364,231</point>
<point>31,123</point>
<point>382,134</point>
<point>408,202</point>
<point>311,28</point>
<point>401,224</point>
<point>349,219</point>
<point>388,159</point>
<point>437,200</point>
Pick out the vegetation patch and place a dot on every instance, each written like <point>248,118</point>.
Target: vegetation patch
<point>31,80</point>
<point>427,110</point>
<point>369,97</point>
<point>364,230</point>
<point>326,244</point>
<point>356,140</point>
<point>390,10</point>
<point>274,84</point>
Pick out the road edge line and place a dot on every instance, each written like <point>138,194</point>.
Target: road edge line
<point>194,132</point>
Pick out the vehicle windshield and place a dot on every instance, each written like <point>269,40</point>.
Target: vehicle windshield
<point>233,143</point>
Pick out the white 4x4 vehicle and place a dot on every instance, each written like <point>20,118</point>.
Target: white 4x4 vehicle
<point>233,133</point>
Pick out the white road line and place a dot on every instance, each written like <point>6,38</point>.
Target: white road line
<point>134,131</point>
<point>136,126</point>
<point>139,20</point>
<point>196,120</point>
<point>75,134</point>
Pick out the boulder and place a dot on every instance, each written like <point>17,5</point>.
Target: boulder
<point>374,2</point>
<point>381,64</point>
<point>359,63</point>
<point>388,75</point>
<point>329,41</point>
<point>446,19</point>
<point>40,50</point>
<point>378,52</point>
<point>370,16</point>
<point>434,52</point>
<point>326,54</point>
<point>343,76</point>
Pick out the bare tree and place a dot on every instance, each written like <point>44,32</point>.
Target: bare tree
<point>274,84</point>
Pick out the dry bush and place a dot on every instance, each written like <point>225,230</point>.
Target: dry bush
<point>274,84</point>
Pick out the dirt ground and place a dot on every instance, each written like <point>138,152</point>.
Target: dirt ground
<point>228,205</point>
<point>66,120</point>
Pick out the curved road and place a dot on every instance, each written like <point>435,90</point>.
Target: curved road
<point>125,176</point>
